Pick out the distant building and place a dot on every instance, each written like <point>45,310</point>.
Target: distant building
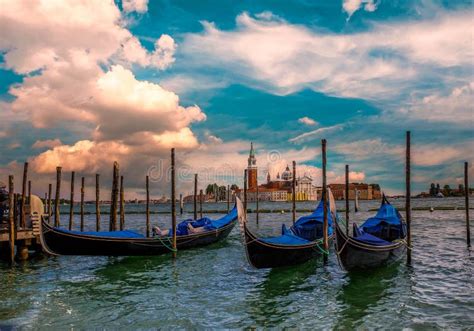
<point>365,191</point>
<point>279,189</point>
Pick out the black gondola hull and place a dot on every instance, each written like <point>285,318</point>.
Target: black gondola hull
<point>61,243</point>
<point>353,255</point>
<point>264,255</point>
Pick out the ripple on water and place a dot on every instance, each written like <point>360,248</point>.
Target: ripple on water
<point>214,287</point>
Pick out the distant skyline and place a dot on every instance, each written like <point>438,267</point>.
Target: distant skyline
<point>83,84</point>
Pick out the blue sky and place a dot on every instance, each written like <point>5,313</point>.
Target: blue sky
<point>82,85</point>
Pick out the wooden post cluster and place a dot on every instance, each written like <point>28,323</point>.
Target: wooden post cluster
<point>408,194</point>
<point>97,202</point>
<point>195,195</point>
<point>293,196</point>
<point>466,195</point>
<point>82,202</point>
<point>147,206</point>
<point>347,200</point>
<point>325,200</point>
<point>71,202</point>
<point>173,201</point>
<point>122,204</point>
<point>57,221</point>
<point>114,198</point>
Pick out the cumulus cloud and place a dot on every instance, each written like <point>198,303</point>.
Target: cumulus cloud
<point>351,6</point>
<point>139,6</point>
<point>308,121</point>
<point>77,59</point>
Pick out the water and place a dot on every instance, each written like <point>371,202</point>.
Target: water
<point>214,287</point>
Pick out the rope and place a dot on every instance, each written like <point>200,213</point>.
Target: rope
<point>169,242</point>
<point>343,246</point>
<point>322,250</point>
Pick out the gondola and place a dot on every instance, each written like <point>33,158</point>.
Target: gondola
<point>380,240</point>
<point>302,242</point>
<point>58,241</point>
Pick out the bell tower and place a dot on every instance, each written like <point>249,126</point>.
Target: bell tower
<point>252,169</point>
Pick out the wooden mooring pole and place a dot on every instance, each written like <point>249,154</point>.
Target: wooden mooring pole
<point>11,218</point>
<point>408,194</point>
<point>50,212</point>
<point>97,202</point>
<point>147,184</point>
<point>114,198</point>
<point>173,201</point>
<point>228,198</point>
<point>29,194</point>
<point>82,202</point>
<point>347,200</point>
<point>466,195</point>
<point>56,198</point>
<point>293,196</point>
<point>245,191</point>
<point>325,206</point>
<point>257,209</point>
<point>23,196</point>
<point>200,203</point>
<point>71,202</point>
<point>181,204</point>
<point>122,204</point>
<point>195,195</point>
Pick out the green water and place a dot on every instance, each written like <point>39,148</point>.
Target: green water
<point>214,287</point>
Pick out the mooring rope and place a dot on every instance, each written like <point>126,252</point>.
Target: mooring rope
<point>169,242</point>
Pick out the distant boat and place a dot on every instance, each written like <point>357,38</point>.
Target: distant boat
<point>439,195</point>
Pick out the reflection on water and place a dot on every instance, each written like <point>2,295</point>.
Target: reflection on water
<point>361,291</point>
<point>214,287</point>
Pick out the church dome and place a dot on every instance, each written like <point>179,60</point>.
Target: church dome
<point>287,175</point>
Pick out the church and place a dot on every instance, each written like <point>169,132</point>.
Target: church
<point>280,188</point>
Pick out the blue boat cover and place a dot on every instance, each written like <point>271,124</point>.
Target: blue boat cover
<point>108,234</point>
<point>387,215</point>
<point>287,238</point>
<point>310,227</point>
<point>207,223</point>
<point>367,238</point>
<point>384,227</point>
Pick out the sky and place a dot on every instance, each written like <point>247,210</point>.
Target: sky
<point>87,83</point>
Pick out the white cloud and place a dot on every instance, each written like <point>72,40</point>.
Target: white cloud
<point>139,6</point>
<point>377,64</point>
<point>434,154</point>
<point>369,148</point>
<point>351,6</point>
<point>318,133</point>
<point>49,143</point>
<point>456,106</point>
<point>84,55</point>
<point>308,121</point>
